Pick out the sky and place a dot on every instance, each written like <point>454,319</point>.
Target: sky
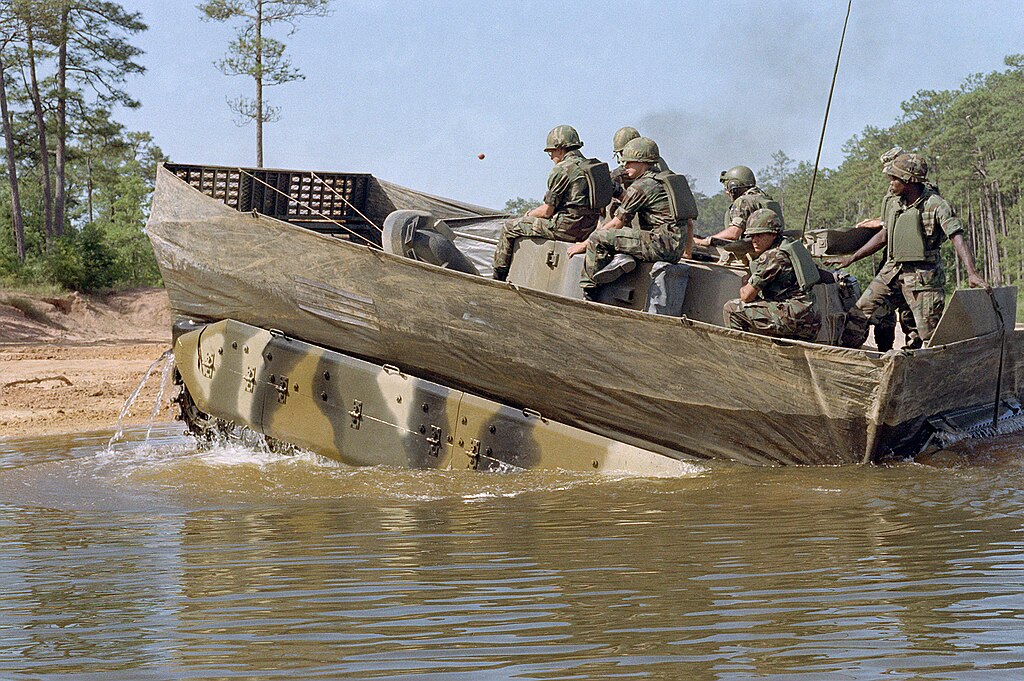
<point>413,92</point>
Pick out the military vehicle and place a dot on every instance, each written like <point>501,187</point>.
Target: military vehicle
<point>355,318</point>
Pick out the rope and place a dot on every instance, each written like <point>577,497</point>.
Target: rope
<point>311,210</point>
<point>821,141</point>
<point>347,202</point>
<point>1002,352</point>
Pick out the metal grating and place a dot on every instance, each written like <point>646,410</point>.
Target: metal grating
<point>330,202</point>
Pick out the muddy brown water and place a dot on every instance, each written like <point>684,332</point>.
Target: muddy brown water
<point>156,561</point>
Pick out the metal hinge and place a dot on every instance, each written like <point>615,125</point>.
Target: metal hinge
<point>207,365</point>
<point>552,260</point>
<point>434,441</point>
<point>282,389</point>
<point>474,453</point>
<point>250,379</point>
<point>356,414</point>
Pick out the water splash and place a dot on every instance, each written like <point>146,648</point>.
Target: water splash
<point>165,380</point>
<point>167,360</point>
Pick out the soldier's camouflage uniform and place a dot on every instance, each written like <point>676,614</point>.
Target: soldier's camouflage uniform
<point>782,309</point>
<point>745,204</point>
<point>917,285</point>
<point>652,234</point>
<point>569,194</point>
<point>621,182</point>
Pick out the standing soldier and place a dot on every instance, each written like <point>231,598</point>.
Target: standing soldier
<point>776,298</point>
<point>739,183</point>
<point>566,214</point>
<point>915,223</point>
<point>654,233</point>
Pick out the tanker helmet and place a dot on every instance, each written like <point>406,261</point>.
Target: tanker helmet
<point>563,137</point>
<point>641,150</point>
<point>908,167</point>
<point>763,221</point>
<point>623,135</point>
<point>886,158</point>
<point>737,177</point>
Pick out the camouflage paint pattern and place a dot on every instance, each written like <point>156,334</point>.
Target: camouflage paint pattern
<point>783,309</point>
<point>364,414</point>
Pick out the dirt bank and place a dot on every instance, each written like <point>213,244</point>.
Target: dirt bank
<point>68,363</point>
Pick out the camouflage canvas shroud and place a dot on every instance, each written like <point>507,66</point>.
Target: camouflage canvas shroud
<point>670,385</point>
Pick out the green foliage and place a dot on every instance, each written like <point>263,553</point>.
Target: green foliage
<point>520,206</point>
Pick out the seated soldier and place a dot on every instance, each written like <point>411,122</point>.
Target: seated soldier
<point>740,185</point>
<point>772,302</point>
<point>643,226</point>
<point>620,180</point>
<point>566,214</point>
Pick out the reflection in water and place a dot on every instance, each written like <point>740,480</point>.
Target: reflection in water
<point>157,561</point>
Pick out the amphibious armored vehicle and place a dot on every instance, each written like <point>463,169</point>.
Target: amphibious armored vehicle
<point>353,317</point>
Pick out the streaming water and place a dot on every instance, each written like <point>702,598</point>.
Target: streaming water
<point>157,561</point>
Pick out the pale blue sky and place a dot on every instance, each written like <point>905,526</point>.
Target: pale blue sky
<point>413,91</point>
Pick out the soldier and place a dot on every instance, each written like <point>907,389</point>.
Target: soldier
<point>565,214</point>
<point>916,221</point>
<point>772,300</point>
<point>653,236</point>
<point>739,183</point>
<point>885,328</point>
<point>620,180</point>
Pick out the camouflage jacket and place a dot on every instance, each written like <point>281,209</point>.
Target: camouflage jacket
<point>647,201</point>
<point>745,204</point>
<point>938,220</point>
<point>568,192</point>
<point>772,274</point>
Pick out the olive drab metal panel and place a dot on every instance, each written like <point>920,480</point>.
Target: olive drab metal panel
<point>599,182</point>
<point>970,313</point>
<point>710,287</point>
<point>680,197</point>
<point>906,243</point>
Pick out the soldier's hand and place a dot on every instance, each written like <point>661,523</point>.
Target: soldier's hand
<point>841,262</point>
<point>576,248</point>
<point>870,223</point>
<point>975,281</point>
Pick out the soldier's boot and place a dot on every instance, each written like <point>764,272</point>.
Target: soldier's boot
<point>500,274</point>
<point>620,264</point>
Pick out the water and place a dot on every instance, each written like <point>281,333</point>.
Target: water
<point>155,561</point>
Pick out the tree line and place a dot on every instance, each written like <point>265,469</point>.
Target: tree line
<point>76,183</point>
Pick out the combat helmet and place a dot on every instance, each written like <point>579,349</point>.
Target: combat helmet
<point>737,177</point>
<point>887,158</point>
<point>908,167</point>
<point>622,136</point>
<point>641,150</point>
<point>763,221</point>
<point>563,137</point>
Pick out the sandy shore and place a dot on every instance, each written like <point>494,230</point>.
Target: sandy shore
<point>68,364</point>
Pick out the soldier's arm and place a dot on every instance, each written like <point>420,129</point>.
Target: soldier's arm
<point>688,248</point>
<point>558,185</point>
<point>748,293</point>
<point>967,257</point>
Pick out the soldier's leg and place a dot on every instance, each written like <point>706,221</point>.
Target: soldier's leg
<point>758,317</point>
<point>730,308</point>
<point>885,332</point>
<point>600,251</point>
<point>874,304</point>
<point>512,230</point>
<point>926,302</point>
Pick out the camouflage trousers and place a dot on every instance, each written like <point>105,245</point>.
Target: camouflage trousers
<point>643,244</point>
<point>544,228</point>
<point>917,289</point>
<point>795,318</point>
